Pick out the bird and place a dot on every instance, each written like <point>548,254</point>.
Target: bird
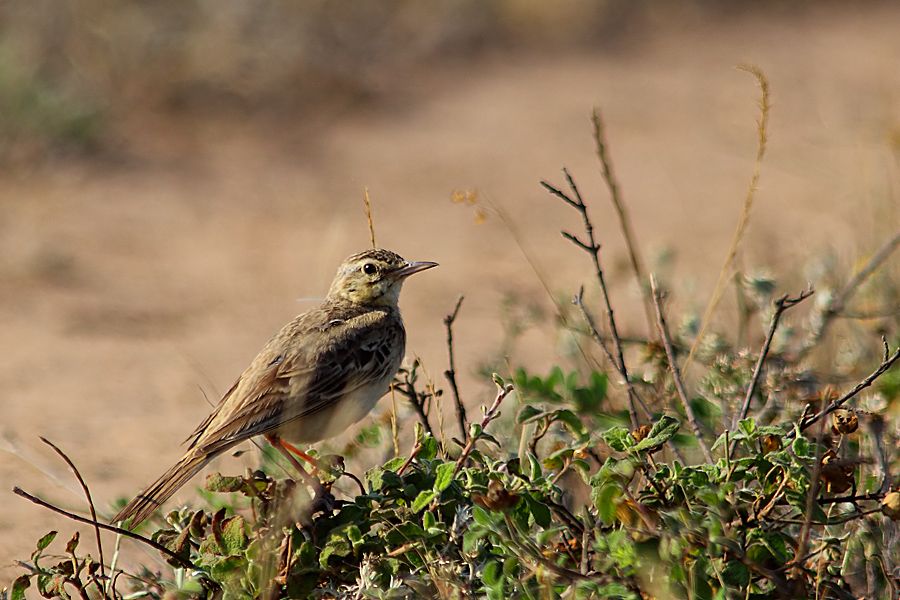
<point>322,372</point>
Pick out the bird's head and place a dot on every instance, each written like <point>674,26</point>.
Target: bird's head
<point>373,278</point>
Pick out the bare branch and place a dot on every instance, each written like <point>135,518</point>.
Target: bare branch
<point>450,373</point>
<point>593,249</point>
<point>676,375</point>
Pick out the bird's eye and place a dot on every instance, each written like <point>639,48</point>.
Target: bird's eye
<point>369,269</point>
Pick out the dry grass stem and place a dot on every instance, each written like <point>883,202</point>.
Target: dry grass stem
<point>676,375</point>
<point>367,203</point>
<point>744,219</point>
<point>615,194</point>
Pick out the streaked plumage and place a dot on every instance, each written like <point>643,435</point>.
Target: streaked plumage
<point>322,372</point>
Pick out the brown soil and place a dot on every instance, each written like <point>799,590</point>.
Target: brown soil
<point>128,288</point>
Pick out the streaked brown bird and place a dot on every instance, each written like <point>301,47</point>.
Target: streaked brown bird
<point>322,372</point>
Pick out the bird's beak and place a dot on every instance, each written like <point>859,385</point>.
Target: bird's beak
<point>411,268</point>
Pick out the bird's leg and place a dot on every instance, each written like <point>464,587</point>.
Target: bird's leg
<point>286,449</point>
<point>302,455</point>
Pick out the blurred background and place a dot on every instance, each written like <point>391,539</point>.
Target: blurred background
<point>179,178</point>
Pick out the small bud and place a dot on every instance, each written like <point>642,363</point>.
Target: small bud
<point>844,421</point>
<point>640,433</point>
<point>770,443</point>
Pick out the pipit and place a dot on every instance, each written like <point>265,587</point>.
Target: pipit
<point>321,373</point>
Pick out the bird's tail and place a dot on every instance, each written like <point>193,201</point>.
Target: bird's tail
<point>162,489</point>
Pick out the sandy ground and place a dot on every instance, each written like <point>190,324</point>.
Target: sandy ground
<point>127,288</point>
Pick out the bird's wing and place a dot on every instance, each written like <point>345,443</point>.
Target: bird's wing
<point>313,362</point>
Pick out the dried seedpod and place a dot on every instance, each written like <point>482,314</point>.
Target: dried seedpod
<point>640,433</point>
<point>496,498</point>
<point>770,443</point>
<point>844,421</point>
<point>890,506</point>
<point>836,474</point>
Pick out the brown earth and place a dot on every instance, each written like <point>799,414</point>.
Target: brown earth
<point>130,286</point>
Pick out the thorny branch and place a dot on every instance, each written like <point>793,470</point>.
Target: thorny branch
<point>593,249</point>
<point>450,373</point>
<point>676,374</point>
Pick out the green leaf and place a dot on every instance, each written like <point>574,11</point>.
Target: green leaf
<point>604,498</point>
<point>22,583</point>
<point>234,536</point>
<point>528,413</point>
<point>46,540</point>
<point>618,438</point>
<point>443,476</point>
<point>492,574</point>
<point>736,574</point>
<point>747,426</point>
<point>800,446</point>
<point>429,447</point>
<point>216,482</point>
<point>424,498</point>
<point>482,517</point>
<point>662,432</point>
<point>539,511</point>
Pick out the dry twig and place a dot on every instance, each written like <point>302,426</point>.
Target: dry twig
<point>624,221</point>
<point>450,373</point>
<point>676,375</point>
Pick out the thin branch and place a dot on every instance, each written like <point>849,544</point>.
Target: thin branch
<point>491,413</point>
<point>90,501</point>
<point>407,388</point>
<point>887,362</point>
<point>578,300</point>
<point>624,221</point>
<point>450,373</point>
<point>781,305</point>
<point>676,375</point>
<point>593,248</point>
<point>155,545</point>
